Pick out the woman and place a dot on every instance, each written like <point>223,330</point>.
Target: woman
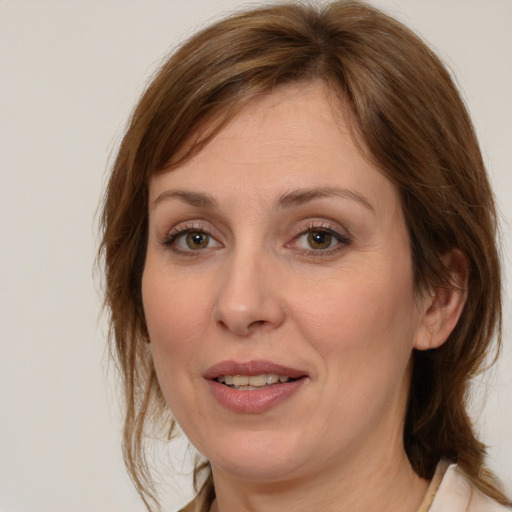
<point>299,239</point>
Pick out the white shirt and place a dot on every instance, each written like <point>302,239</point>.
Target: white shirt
<point>455,493</point>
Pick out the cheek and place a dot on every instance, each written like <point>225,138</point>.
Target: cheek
<point>362,332</point>
<point>361,320</point>
<point>175,307</point>
<point>176,317</point>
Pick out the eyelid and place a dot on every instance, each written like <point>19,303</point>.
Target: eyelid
<point>324,226</point>
<point>340,234</point>
<point>182,228</point>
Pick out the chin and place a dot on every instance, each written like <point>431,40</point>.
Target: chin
<point>260,456</point>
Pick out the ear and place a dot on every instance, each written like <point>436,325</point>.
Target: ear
<point>442,307</point>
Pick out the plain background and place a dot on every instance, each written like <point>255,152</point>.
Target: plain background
<point>70,73</point>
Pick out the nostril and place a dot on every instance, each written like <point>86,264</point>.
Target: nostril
<point>245,329</point>
<point>222,325</point>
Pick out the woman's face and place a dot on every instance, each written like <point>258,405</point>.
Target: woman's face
<point>278,293</point>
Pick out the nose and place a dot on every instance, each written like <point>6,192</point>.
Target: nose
<point>248,299</point>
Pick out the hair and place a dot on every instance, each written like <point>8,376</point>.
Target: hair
<point>412,123</point>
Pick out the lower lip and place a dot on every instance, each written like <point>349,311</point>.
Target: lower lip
<point>254,401</point>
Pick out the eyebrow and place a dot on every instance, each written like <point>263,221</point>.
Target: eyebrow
<point>302,196</point>
<point>287,200</point>
<point>197,199</point>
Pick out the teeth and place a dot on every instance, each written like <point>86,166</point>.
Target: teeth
<point>257,380</point>
<point>240,380</point>
<point>253,380</point>
<point>272,378</point>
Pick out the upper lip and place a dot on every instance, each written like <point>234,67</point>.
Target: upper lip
<point>257,367</point>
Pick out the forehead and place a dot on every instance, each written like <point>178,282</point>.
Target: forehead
<point>299,114</point>
<point>295,137</point>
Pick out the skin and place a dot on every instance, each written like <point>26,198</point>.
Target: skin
<point>346,314</point>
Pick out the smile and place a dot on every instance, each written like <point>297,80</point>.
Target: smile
<point>253,387</point>
<point>252,382</point>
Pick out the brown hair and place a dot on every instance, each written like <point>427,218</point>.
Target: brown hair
<point>412,124</point>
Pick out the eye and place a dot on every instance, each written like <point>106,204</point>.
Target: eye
<point>319,240</point>
<point>191,240</point>
<point>195,240</point>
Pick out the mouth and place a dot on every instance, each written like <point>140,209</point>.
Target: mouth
<point>253,382</point>
<point>255,386</point>
<point>256,374</point>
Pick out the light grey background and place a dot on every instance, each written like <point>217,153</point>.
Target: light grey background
<point>70,72</point>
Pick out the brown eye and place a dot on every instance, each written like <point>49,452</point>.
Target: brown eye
<point>319,239</point>
<point>197,240</point>
<point>192,240</point>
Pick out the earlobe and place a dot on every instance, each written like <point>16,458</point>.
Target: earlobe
<point>443,306</point>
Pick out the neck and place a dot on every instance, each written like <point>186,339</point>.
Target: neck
<point>377,485</point>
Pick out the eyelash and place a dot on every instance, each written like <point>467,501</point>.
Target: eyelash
<point>170,240</point>
<point>312,227</point>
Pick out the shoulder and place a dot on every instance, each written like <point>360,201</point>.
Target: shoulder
<point>457,494</point>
